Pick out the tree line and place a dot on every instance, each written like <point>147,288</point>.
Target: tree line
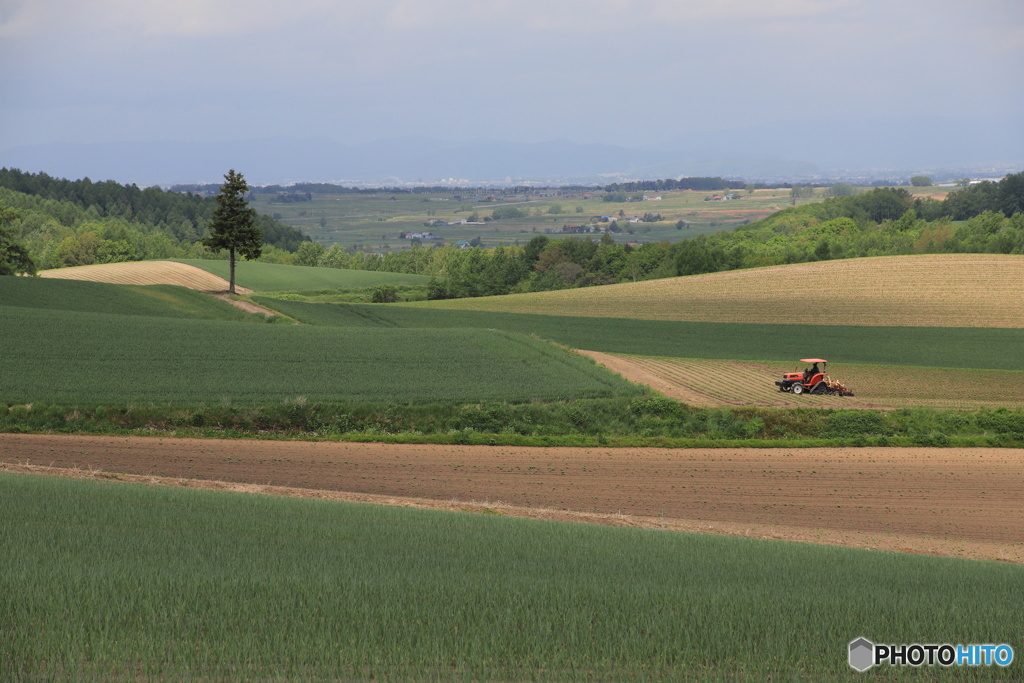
<point>181,216</point>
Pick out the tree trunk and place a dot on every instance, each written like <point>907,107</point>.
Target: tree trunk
<point>231,282</point>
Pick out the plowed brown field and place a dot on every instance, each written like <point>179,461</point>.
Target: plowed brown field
<point>963,502</point>
<point>146,273</point>
<point>703,382</point>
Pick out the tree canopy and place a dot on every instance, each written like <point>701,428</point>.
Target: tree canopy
<point>233,224</point>
<point>14,258</point>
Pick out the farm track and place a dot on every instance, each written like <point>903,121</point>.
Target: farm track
<point>146,273</point>
<point>958,502</point>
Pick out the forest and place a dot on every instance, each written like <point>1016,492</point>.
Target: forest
<point>78,222</point>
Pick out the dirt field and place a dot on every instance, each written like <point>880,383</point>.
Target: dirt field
<point>961,502</point>
<point>746,383</point>
<point>146,273</point>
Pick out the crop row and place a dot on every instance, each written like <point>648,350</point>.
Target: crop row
<point>102,580</point>
<point>749,383</point>
<point>91,358</point>
<point>943,347</point>
<point>141,273</point>
<point>165,301</point>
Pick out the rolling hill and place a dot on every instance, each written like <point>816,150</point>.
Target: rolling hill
<point>940,290</point>
<point>145,273</point>
<point>250,276</point>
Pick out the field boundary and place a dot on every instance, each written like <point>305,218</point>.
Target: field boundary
<point>904,543</point>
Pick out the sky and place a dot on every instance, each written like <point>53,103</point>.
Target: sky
<point>623,72</point>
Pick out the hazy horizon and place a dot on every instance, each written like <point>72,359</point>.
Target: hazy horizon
<point>715,76</point>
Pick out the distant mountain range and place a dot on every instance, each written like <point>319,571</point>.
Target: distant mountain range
<point>792,150</point>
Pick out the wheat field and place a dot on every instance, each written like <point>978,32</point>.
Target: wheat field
<point>934,290</point>
<point>146,273</point>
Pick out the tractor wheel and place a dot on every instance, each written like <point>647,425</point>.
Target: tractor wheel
<point>798,388</point>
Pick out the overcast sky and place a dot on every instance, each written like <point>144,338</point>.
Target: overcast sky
<point>627,72</point>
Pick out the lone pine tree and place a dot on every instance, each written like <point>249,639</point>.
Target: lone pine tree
<point>233,224</point>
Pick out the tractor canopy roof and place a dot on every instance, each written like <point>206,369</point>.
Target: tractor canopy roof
<point>813,360</point>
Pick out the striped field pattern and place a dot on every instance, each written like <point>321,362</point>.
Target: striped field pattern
<point>743,383</point>
<point>932,290</point>
<point>146,273</point>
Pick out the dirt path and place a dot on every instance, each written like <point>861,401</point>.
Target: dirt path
<point>961,502</point>
<point>246,306</point>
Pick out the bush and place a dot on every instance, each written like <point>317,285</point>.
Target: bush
<point>843,423</point>
<point>384,294</point>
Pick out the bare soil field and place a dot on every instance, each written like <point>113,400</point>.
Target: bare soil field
<point>936,290</point>
<point>702,382</point>
<point>146,273</point>
<point>959,502</point>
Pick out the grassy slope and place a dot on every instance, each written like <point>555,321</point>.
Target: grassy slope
<point>941,290</point>
<point>92,358</point>
<point>273,277</point>
<point>991,348</point>
<point>166,301</point>
<point>104,579</point>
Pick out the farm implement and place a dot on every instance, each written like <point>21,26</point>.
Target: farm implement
<point>813,380</point>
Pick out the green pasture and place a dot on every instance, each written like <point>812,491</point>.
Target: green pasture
<point>943,347</point>
<point>275,277</point>
<point>74,357</point>
<point>106,580</point>
<point>165,301</point>
<point>373,222</point>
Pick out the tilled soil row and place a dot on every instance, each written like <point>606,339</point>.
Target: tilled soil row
<point>961,502</point>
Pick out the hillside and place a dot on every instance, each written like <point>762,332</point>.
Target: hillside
<point>145,273</point>
<point>935,290</point>
<point>276,277</point>
<point>162,301</point>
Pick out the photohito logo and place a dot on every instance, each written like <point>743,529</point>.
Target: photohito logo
<point>864,654</point>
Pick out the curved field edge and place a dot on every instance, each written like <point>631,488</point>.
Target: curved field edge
<point>752,383</point>
<point>378,592</point>
<point>940,290</point>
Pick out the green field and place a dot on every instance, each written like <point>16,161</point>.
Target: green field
<point>944,347</point>
<point>274,277</point>
<point>102,580</point>
<point>72,358</point>
<point>373,222</point>
<point>164,301</point>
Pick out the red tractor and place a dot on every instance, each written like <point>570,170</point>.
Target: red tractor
<point>813,380</point>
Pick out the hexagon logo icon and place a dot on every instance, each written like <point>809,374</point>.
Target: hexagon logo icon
<point>862,654</point>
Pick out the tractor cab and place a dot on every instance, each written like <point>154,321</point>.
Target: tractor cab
<point>813,380</point>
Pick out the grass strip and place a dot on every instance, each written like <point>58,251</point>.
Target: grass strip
<point>940,347</point>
